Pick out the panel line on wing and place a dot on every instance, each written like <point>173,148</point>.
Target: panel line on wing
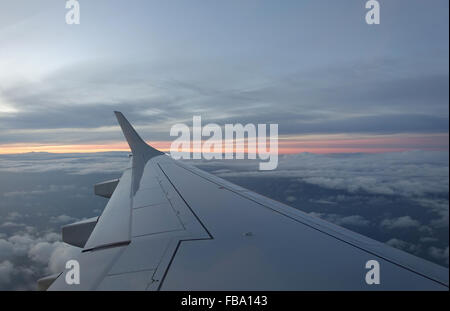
<point>187,204</point>
<point>160,232</point>
<point>173,257</point>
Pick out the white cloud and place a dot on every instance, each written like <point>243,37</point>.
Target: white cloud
<point>291,198</point>
<point>6,271</point>
<point>355,220</point>
<point>42,251</point>
<point>60,255</point>
<point>11,224</point>
<point>438,253</point>
<point>40,191</point>
<point>22,243</point>
<point>438,206</point>
<point>352,220</point>
<point>322,201</point>
<point>400,223</point>
<point>6,249</point>
<point>427,239</point>
<point>82,164</point>
<point>42,254</point>
<point>53,255</point>
<point>412,173</point>
<point>13,216</point>
<point>62,219</point>
<point>403,245</point>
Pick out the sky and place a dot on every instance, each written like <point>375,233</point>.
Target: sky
<point>333,83</point>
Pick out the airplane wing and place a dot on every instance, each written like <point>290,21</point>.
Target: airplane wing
<point>170,226</point>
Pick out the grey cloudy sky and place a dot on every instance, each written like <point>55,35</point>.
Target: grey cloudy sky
<point>311,66</point>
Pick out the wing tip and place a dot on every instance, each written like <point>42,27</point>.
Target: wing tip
<point>136,143</point>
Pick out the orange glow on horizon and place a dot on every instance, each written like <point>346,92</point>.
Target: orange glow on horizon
<point>81,148</point>
<point>286,145</point>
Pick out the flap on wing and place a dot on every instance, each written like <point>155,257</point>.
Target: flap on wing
<point>45,282</point>
<point>78,233</point>
<point>105,189</point>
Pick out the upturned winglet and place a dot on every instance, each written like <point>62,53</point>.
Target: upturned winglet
<point>137,145</point>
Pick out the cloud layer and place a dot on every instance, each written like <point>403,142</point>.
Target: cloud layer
<point>397,198</point>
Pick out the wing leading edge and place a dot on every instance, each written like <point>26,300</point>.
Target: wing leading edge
<point>170,226</point>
